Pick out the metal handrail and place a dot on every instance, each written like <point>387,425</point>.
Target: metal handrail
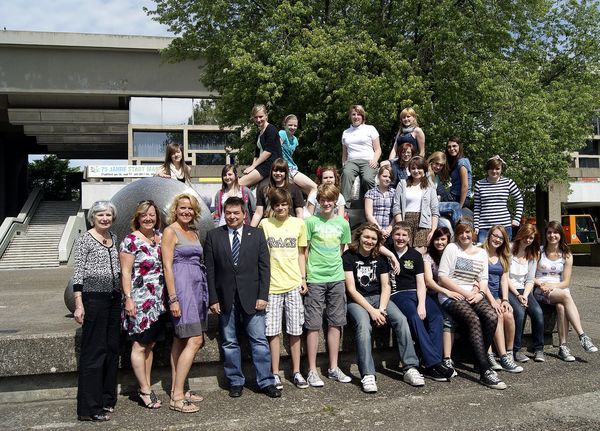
<point>11,225</point>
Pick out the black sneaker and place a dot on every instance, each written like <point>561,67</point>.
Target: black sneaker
<point>491,380</point>
<point>449,363</point>
<point>435,374</point>
<point>447,372</point>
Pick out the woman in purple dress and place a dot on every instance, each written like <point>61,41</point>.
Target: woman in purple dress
<point>185,278</point>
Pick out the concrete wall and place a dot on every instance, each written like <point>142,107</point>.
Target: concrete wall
<point>63,63</point>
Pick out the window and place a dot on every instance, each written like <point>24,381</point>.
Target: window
<point>211,141</point>
<point>211,159</point>
<point>152,144</point>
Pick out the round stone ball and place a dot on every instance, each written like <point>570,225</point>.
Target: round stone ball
<point>162,191</point>
<point>69,297</point>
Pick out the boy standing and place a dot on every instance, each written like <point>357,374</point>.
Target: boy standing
<point>327,235</point>
<point>286,239</point>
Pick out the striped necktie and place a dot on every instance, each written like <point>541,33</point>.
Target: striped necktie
<point>235,247</point>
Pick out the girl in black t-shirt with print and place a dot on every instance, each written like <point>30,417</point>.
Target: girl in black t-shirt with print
<point>409,293</point>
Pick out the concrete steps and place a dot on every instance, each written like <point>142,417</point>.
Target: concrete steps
<point>38,246</point>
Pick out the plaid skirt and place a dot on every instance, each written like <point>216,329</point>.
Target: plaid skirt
<point>418,234</point>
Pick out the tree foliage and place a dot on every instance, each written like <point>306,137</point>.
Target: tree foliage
<point>517,78</point>
<point>51,175</point>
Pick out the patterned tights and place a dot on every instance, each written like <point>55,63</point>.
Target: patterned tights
<point>480,321</point>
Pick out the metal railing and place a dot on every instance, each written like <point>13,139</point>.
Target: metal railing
<point>585,160</point>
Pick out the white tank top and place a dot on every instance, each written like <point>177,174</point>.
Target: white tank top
<point>550,271</point>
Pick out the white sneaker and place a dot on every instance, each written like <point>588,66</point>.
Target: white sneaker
<point>586,343</point>
<point>337,375</point>
<point>278,383</point>
<point>300,382</point>
<point>314,380</point>
<point>565,354</point>
<point>413,377</point>
<point>368,384</point>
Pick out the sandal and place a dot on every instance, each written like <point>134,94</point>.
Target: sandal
<point>183,406</point>
<point>154,401</point>
<point>193,397</point>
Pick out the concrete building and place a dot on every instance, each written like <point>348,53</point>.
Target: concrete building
<point>72,95</point>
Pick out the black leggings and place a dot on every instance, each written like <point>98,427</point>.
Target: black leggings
<point>480,321</point>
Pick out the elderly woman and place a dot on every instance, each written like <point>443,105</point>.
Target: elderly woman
<point>97,294</point>
<point>143,285</point>
<point>185,278</point>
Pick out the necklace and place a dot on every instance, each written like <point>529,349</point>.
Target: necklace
<point>151,241</point>
<point>104,239</point>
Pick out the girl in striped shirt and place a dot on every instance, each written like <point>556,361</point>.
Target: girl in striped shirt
<point>491,201</point>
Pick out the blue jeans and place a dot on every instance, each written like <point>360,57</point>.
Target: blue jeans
<point>534,310</point>
<point>427,333</point>
<point>364,342</point>
<point>254,326</point>
<point>453,210</point>
<point>482,235</point>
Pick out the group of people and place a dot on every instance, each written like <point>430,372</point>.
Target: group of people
<point>272,258</point>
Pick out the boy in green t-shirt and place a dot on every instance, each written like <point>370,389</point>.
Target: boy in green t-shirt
<point>286,239</point>
<point>327,235</point>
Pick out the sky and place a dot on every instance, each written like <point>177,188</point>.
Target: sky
<point>83,16</point>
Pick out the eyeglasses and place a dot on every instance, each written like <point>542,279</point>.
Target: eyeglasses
<point>495,235</point>
<point>146,201</point>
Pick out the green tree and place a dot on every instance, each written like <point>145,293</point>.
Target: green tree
<point>51,175</point>
<point>519,78</point>
<point>204,113</point>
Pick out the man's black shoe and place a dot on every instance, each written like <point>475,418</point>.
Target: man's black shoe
<point>271,391</point>
<point>235,391</point>
<point>101,417</point>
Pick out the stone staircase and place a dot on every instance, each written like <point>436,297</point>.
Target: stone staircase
<point>38,246</point>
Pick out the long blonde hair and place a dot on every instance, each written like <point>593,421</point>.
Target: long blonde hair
<point>173,209</point>
<point>438,157</point>
<point>503,251</point>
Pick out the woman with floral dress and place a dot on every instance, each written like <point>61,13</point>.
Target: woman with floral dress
<point>143,286</point>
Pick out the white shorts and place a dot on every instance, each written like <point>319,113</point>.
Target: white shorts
<point>294,313</point>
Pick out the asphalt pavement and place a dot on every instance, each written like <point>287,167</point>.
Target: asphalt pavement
<point>547,396</point>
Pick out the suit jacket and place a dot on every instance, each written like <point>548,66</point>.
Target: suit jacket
<point>250,278</point>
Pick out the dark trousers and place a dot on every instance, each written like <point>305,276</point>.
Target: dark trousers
<point>427,333</point>
<point>99,357</point>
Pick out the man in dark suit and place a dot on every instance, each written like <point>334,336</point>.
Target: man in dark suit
<point>237,267</point>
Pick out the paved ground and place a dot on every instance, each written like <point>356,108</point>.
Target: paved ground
<point>550,396</point>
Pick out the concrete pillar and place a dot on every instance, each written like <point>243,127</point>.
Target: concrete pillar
<point>14,150</point>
